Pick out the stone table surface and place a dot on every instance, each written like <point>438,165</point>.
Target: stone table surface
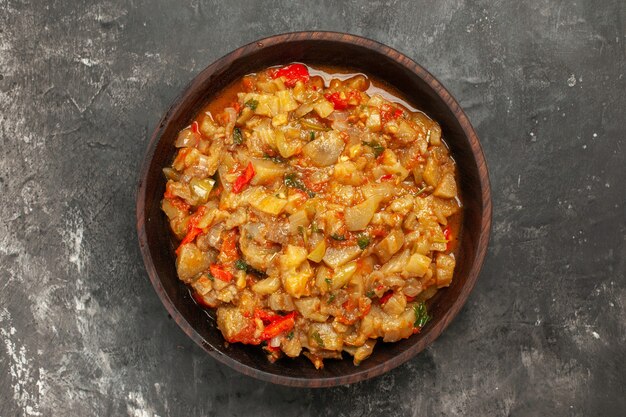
<point>82,84</point>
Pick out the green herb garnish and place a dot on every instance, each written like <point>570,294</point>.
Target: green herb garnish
<point>210,277</point>
<point>303,233</point>
<point>318,339</point>
<point>241,265</point>
<point>290,335</point>
<point>252,103</point>
<point>274,159</point>
<point>291,180</point>
<point>370,293</point>
<point>237,136</point>
<point>328,281</point>
<point>363,241</point>
<point>311,135</point>
<point>376,147</point>
<point>338,237</point>
<point>314,228</point>
<point>421,315</point>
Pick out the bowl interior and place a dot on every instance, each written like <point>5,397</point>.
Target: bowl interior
<point>419,89</point>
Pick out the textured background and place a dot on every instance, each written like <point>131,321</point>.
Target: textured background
<point>82,333</point>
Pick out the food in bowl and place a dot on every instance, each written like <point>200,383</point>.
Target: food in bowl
<point>316,210</point>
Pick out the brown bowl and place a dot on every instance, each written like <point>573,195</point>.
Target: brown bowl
<point>330,49</point>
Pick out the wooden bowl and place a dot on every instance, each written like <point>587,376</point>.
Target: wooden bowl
<point>321,48</point>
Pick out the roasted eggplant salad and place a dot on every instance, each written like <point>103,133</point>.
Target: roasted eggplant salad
<point>316,211</point>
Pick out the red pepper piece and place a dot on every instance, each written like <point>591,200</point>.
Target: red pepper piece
<point>266,316</point>
<point>386,177</point>
<point>388,112</point>
<point>195,128</point>
<point>189,237</point>
<point>386,296</point>
<point>282,325</point>
<point>292,73</point>
<point>192,230</point>
<point>338,102</point>
<point>342,102</point>
<point>244,179</point>
<point>409,298</point>
<point>220,273</point>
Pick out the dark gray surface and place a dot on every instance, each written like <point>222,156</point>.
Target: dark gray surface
<point>82,333</point>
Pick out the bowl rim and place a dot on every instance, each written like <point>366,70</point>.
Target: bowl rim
<point>481,244</point>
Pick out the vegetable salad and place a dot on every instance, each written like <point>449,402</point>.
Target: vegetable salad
<point>315,212</point>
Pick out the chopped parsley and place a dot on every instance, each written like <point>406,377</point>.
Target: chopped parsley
<point>331,298</point>
<point>314,228</point>
<point>370,293</point>
<point>290,335</point>
<point>241,265</point>
<point>291,180</point>
<point>237,136</point>
<point>318,339</point>
<point>363,241</point>
<point>328,281</point>
<point>376,147</point>
<point>274,159</point>
<point>311,135</point>
<point>421,315</point>
<point>252,103</point>
<point>303,233</point>
<point>338,237</point>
